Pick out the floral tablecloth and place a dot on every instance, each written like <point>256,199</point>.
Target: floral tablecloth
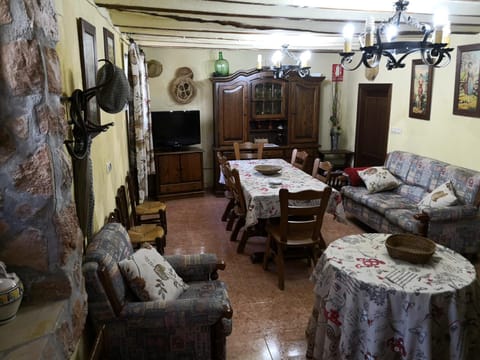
<point>371,306</point>
<point>261,191</point>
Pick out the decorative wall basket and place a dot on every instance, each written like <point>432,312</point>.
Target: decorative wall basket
<point>154,68</point>
<point>182,88</point>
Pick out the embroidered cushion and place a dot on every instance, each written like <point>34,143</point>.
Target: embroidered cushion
<point>377,179</point>
<point>352,173</point>
<point>150,276</point>
<point>442,196</point>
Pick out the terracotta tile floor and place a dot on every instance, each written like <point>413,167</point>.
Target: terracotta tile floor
<point>267,323</point>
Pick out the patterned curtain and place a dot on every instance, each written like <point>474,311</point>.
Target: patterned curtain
<point>140,124</point>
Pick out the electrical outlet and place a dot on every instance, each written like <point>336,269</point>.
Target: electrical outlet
<point>108,167</point>
<point>396,131</point>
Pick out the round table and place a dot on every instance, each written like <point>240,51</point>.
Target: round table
<point>371,306</point>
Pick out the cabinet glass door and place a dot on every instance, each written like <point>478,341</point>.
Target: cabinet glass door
<point>268,99</point>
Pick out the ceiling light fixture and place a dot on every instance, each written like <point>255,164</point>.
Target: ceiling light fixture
<point>301,66</point>
<point>380,41</point>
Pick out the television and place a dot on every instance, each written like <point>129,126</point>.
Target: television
<point>175,129</point>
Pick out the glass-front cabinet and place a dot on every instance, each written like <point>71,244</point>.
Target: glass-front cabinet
<point>268,99</point>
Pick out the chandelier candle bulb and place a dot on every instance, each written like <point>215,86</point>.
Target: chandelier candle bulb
<point>347,36</point>
<point>369,31</point>
<point>438,35</point>
<point>259,61</point>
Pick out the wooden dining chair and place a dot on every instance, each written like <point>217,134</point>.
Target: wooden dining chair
<point>228,213</point>
<point>233,179</point>
<point>323,171</point>
<point>248,150</point>
<point>301,219</point>
<point>139,234</point>
<point>299,159</point>
<point>148,212</point>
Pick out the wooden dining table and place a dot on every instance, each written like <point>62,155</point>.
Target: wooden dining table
<point>262,191</point>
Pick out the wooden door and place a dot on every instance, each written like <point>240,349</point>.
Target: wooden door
<point>231,107</point>
<point>303,112</point>
<point>373,120</point>
<point>168,168</point>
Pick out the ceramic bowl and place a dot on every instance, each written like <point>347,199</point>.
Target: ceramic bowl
<point>11,293</point>
<point>268,169</point>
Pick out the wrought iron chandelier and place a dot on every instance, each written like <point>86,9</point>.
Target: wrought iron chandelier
<point>381,41</point>
<point>282,71</point>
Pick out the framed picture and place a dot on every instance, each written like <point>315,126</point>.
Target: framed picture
<point>88,57</point>
<point>467,76</point>
<point>109,45</point>
<point>421,90</point>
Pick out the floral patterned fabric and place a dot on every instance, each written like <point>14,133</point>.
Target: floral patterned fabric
<point>371,306</point>
<point>150,276</point>
<point>191,327</point>
<point>442,196</point>
<point>141,124</point>
<point>261,191</point>
<point>457,226</point>
<point>378,179</point>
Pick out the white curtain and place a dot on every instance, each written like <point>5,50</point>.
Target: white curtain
<point>144,159</point>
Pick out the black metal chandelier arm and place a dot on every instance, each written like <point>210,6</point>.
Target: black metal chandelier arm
<point>347,58</point>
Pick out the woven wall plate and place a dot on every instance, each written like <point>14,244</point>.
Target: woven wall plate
<point>154,68</point>
<point>183,90</point>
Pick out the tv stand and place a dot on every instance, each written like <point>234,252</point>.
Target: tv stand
<point>179,172</point>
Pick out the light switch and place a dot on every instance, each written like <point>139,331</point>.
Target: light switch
<point>109,167</point>
<point>396,131</point>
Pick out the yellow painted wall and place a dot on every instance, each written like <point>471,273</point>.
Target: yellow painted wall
<point>110,146</point>
<point>445,136</point>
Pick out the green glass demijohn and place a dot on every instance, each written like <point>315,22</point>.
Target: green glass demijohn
<point>221,65</point>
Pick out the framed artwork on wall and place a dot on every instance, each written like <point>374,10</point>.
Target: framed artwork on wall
<point>467,77</point>
<point>421,90</point>
<point>109,45</point>
<point>88,57</point>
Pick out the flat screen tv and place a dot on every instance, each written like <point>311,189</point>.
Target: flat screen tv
<point>175,129</point>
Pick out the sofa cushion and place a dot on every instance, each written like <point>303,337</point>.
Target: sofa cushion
<point>442,196</point>
<point>399,163</point>
<point>404,219</point>
<point>380,202</point>
<point>378,178</point>
<point>411,192</point>
<point>150,276</point>
<point>465,181</point>
<point>354,178</point>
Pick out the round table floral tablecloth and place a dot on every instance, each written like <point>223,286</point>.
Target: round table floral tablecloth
<point>371,306</point>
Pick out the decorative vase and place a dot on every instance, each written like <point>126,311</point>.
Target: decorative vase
<point>221,65</point>
<point>11,293</point>
<point>334,141</point>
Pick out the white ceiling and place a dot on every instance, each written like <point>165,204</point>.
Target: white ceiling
<point>267,24</point>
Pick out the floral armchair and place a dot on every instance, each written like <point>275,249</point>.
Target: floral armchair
<point>194,326</point>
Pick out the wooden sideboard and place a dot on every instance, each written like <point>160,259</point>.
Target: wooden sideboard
<point>253,105</point>
<point>179,172</point>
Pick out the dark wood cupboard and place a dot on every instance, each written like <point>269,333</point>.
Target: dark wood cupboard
<point>179,172</point>
<point>254,106</point>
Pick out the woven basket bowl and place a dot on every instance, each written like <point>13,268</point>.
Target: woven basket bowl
<point>412,248</point>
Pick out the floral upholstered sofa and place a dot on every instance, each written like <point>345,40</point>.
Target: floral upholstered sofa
<point>414,204</point>
<point>192,326</point>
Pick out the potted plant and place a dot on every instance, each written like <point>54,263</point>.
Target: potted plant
<point>335,129</point>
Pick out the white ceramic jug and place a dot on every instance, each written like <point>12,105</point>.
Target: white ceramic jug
<point>11,293</point>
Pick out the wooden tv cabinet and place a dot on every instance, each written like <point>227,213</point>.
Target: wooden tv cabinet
<point>179,172</point>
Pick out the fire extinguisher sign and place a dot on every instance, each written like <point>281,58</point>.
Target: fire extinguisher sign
<point>337,72</point>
